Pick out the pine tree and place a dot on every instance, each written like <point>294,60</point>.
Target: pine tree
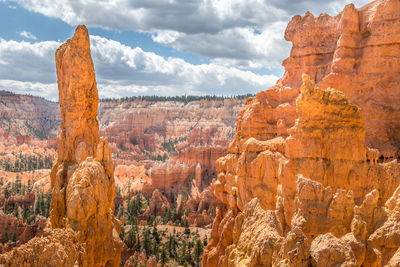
<point>18,184</point>
<point>155,250</point>
<point>14,237</point>
<point>37,203</point>
<point>198,251</point>
<point>163,257</point>
<point>147,242</point>
<point>5,208</point>
<point>16,210</point>
<point>171,254</point>
<point>174,242</point>
<point>183,253</point>
<point>130,239</point>
<point>25,214</point>
<point>6,237</point>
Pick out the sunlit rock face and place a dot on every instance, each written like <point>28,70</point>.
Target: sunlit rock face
<point>82,229</point>
<point>300,177</point>
<point>355,52</point>
<point>312,175</point>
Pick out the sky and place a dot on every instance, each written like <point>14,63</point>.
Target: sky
<point>153,47</point>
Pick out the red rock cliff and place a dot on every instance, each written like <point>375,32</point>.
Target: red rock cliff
<point>311,177</point>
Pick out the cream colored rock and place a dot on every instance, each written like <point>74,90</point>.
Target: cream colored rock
<point>57,247</point>
<point>328,250</point>
<point>256,237</point>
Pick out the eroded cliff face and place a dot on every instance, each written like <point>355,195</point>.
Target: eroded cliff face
<point>82,229</point>
<point>355,52</point>
<point>300,178</point>
<point>312,171</point>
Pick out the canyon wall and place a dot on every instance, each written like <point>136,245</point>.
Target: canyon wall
<point>312,175</point>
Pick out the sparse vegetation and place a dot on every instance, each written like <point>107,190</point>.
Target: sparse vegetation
<point>183,98</point>
<point>178,246</point>
<point>25,162</point>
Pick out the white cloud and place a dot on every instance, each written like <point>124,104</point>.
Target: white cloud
<point>46,90</point>
<point>28,35</point>
<point>233,32</point>
<point>28,62</point>
<point>147,73</point>
<point>122,71</point>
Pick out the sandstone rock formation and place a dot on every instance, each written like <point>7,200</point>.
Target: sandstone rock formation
<point>82,229</point>
<point>158,205</point>
<point>356,53</point>
<point>301,186</point>
<point>315,175</point>
<point>18,229</point>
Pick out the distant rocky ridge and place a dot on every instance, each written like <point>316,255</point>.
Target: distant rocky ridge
<point>155,144</point>
<point>23,115</point>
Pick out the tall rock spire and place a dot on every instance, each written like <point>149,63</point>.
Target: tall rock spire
<point>78,98</point>
<point>82,179</point>
<point>82,230</point>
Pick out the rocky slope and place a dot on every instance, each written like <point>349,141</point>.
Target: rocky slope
<point>82,230</point>
<point>28,115</point>
<point>312,172</point>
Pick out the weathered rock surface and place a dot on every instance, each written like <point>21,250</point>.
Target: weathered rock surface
<point>21,231</point>
<point>82,229</point>
<point>301,186</point>
<point>355,52</point>
<point>158,205</point>
<point>321,163</point>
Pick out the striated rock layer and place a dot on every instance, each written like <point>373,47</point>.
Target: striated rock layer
<point>302,188</point>
<point>82,230</point>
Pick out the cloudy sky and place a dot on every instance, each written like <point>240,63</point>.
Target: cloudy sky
<point>147,47</point>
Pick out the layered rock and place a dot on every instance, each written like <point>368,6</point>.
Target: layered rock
<point>355,52</point>
<point>82,228</point>
<point>299,174</point>
<point>140,133</point>
<point>28,115</point>
<point>318,168</point>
